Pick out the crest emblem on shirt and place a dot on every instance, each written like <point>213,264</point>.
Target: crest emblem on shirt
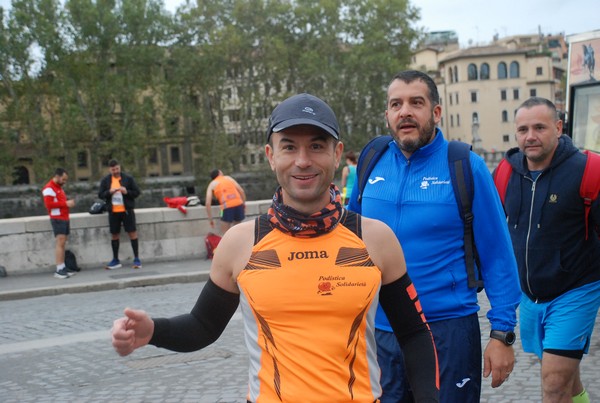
<point>325,288</point>
<point>553,198</point>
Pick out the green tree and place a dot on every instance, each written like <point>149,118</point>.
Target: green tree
<point>114,77</point>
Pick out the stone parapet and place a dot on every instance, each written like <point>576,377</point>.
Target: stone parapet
<point>27,243</point>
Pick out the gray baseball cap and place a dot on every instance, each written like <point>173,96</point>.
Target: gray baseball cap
<point>303,109</point>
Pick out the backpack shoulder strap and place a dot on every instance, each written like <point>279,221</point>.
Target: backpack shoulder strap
<point>590,184</point>
<point>461,177</point>
<point>501,177</point>
<point>367,159</point>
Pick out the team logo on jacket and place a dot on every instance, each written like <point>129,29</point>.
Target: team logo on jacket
<point>377,179</point>
<point>553,198</point>
<point>432,180</point>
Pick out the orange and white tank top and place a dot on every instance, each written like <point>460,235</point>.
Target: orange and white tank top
<point>117,201</point>
<point>226,193</point>
<point>309,307</point>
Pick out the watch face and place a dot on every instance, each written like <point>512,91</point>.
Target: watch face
<point>507,338</point>
<point>510,338</point>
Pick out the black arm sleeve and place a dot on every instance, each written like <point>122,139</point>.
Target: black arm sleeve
<point>401,305</point>
<point>202,326</point>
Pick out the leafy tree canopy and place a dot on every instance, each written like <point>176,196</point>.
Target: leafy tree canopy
<point>114,76</point>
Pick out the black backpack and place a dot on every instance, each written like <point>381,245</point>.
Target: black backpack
<point>71,261</point>
<point>462,183</point>
<point>98,207</point>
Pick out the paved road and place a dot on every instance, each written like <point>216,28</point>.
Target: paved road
<point>57,349</point>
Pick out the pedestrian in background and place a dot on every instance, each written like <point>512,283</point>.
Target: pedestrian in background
<point>410,189</point>
<point>307,275</point>
<point>231,198</point>
<point>119,191</point>
<point>349,175</point>
<point>557,248</point>
<point>58,205</point>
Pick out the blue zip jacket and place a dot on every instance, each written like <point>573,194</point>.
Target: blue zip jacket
<point>546,222</point>
<point>415,198</point>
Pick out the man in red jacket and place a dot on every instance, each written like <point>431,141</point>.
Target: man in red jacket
<point>58,206</point>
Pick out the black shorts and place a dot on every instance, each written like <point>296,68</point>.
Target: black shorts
<point>234,214</point>
<point>60,227</point>
<point>127,218</point>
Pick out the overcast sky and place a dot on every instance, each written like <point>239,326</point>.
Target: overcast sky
<point>478,21</point>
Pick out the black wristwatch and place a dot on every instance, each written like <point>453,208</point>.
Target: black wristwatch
<point>507,338</point>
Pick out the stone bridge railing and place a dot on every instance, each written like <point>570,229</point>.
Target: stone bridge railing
<point>27,243</point>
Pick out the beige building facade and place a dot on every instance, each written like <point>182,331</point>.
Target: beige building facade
<point>481,87</point>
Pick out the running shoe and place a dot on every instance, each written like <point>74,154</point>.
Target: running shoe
<point>114,264</point>
<point>62,273</point>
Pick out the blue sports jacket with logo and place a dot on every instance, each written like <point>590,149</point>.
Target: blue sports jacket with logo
<point>415,198</point>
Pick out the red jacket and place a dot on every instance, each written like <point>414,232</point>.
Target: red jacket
<point>55,200</point>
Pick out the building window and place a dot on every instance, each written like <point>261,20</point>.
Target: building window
<point>504,116</point>
<point>472,72</point>
<point>516,93</point>
<point>173,126</point>
<point>451,120</point>
<point>457,120</point>
<point>485,72</point>
<point>475,118</point>
<point>506,138</point>
<point>456,97</point>
<point>153,156</point>
<point>514,70</point>
<point>539,71</point>
<point>533,92</point>
<point>473,96</point>
<point>175,156</point>
<point>450,75</point>
<point>450,98</point>
<point>82,159</point>
<point>234,115</point>
<point>503,95</point>
<point>455,74</point>
<point>501,71</point>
